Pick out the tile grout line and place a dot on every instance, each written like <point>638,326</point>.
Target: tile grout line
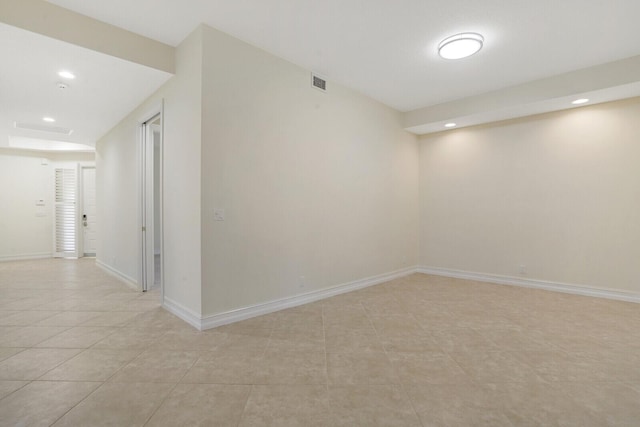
<point>244,408</point>
<point>384,349</point>
<point>326,362</point>
<point>170,391</point>
<point>27,382</point>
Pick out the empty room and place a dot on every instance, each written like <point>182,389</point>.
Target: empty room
<point>296,213</point>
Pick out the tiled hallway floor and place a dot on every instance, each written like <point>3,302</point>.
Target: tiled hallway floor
<point>77,348</point>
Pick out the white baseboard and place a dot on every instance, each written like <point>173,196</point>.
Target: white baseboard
<point>215,320</point>
<point>130,282</point>
<point>191,317</point>
<point>534,283</point>
<point>23,257</point>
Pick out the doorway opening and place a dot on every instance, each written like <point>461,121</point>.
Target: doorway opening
<point>151,238</point>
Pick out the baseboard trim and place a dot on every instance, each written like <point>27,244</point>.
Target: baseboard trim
<point>130,282</point>
<point>534,283</point>
<point>215,320</point>
<point>244,313</point>
<point>25,257</point>
<point>189,316</point>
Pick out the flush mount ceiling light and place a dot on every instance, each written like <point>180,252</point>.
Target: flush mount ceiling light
<point>49,119</point>
<point>66,75</point>
<point>460,46</point>
<point>580,101</point>
<point>450,125</point>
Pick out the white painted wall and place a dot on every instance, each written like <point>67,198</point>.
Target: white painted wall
<point>320,185</point>
<point>24,234</point>
<point>559,193</point>
<point>117,182</point>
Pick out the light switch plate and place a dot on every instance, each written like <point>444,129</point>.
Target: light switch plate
<point>218,214</point>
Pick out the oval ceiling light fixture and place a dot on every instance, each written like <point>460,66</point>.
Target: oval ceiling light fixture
<point>49,119</point>
<point>580,101</point>
<point>66,74</point>
<point>450,125</point>
<point>460,46</point>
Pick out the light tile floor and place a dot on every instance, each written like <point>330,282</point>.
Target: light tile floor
<point>77,348</point>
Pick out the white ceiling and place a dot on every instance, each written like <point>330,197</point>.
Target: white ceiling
<point>387,49</point>
<point>105,89</point>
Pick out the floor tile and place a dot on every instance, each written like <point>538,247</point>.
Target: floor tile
<point>29,336</point>
<point>188,340</point>
<point>246,340</point>
<point>8,387</point>
<point>69,318</point>
<point>277,367</point>
<point>114,404</point>
<point>218,367</point>
<point>462,340</point>
<point>495,367</point>
<point>352,341</point>
<point>26,318</point>
<point>415,342</point>
<point>562,366</point>
<point>370,406</point>
<point>77,337</point>
<point>286,406</point>
<point>616,403</point>
<point>111,318</point>
<point>516,339</point>
<point>6,352</point>
<point>544,404</point>
<point>456,352</point>
<point>41,403</point>
<point>427,368</point>
<point>294,340</point>
<point>32,363</point>
<point>360,368</point>
<point>91,365</point>
<point>202,405</point>
<point>157,366</point>
<point>457,405</point>
<point>131,339</point>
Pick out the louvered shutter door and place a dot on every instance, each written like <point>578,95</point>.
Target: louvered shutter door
<point>65,212</point>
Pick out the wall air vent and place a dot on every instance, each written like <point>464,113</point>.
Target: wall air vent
<point>43,128</point>
<point>318,82</point>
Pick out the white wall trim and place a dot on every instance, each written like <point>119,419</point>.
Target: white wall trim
<point>534,283</point>
<point>215,320</point>
<point>22,257</point>
<point>130,282</point>
<point>189,316</point>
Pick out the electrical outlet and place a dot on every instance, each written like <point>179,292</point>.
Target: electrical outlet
<point>302,282</point>
<point>522,270</point>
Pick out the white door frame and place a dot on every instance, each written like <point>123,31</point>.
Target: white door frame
<point>82,167</point>
<point>145,198</point>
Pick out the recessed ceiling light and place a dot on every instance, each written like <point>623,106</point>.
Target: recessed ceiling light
<point>450,125</point>
<point>49,119</point>
<point>67,75</point>
<point>580,101</point>
<point>460,46</point>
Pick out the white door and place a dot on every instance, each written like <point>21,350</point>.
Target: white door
<point>151,204</point>
<point>89,210</point>
<point>66,211</point>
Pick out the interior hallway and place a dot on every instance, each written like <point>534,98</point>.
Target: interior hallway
<point>79,348</point>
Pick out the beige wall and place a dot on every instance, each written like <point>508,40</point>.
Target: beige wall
<point>23,233</point>
<point>117,182</point>
<point>320,185</point>
<point>558,193</point>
